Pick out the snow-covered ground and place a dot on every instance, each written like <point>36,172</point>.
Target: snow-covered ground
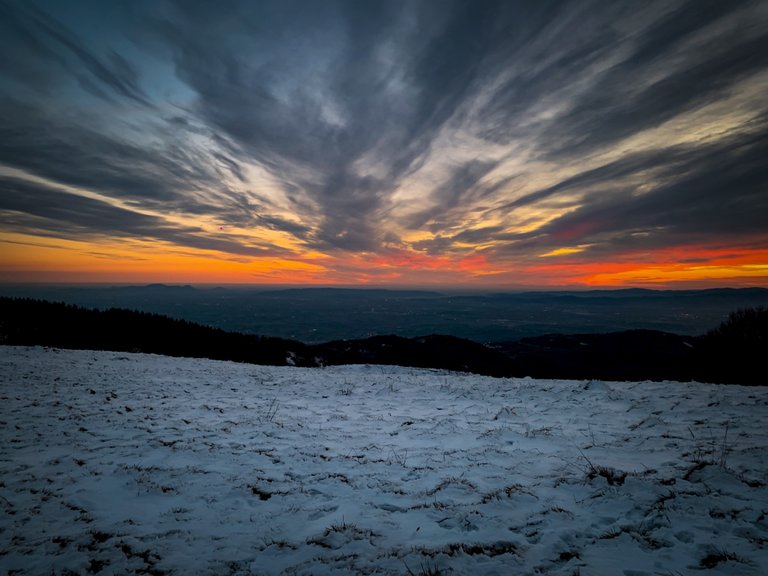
<point>128,463</point>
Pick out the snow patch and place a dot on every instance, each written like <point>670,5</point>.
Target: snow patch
<point>131,463</point>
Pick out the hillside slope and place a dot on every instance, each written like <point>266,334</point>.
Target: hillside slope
<point>732,353</point>
<point>139,464</point>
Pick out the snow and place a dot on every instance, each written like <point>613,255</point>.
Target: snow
<point>118,463</point>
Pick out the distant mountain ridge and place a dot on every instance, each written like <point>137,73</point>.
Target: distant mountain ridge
<point>726,356</point>
<point>318,315</point>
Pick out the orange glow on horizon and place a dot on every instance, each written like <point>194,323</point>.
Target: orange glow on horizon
<point>27,259</point>
<point>665,268</point>
<point>34,259</point>
<point>420,261</point>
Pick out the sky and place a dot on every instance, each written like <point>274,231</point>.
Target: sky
<point>421,143</point>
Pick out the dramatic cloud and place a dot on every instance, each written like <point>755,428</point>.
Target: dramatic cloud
<point>435,141</point>
<point>25,206</point>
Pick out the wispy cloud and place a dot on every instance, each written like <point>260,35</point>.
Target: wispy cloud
<point>490,133</point>
<point>29,207</point>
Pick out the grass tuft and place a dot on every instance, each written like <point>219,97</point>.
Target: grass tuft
<point>425,570</point>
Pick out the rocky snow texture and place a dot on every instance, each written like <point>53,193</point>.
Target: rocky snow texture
<point>118,463</point>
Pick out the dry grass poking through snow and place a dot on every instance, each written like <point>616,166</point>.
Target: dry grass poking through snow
<point>139,464</point>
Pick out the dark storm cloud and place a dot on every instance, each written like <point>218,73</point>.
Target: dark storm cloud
<point>283,225</point>
<point>281,108</point>
<point>346,104</point>
<point>27,206</point>
<point>721,192</point>
<point>165,176</point>
<point>113,72</point>
<point>665,162</point>
<point>462,185</point>
<point>659,79</point>
<point>394,72</point>
<point>718,190</point>
<point>78,155</point>
<point>601,118</point>
<point>76,145</point>
<point>42,41</point>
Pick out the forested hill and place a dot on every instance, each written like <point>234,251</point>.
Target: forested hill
<point>34,322</point>
<point>730,353</point>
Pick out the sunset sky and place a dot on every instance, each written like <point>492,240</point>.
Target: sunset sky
<point>421,143</point>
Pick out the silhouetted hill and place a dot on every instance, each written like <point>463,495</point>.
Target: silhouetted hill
<point>631,355</point>
<point>34,322</point>
<point>735,350</point>
<point>434,351</point>
<point>731,353</point>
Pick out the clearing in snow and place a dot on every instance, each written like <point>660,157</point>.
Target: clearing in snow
<point>118,463</point>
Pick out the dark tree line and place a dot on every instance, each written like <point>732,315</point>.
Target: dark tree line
<point>736,350</point>
<point>731,353</point>
<point>35,322</point>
